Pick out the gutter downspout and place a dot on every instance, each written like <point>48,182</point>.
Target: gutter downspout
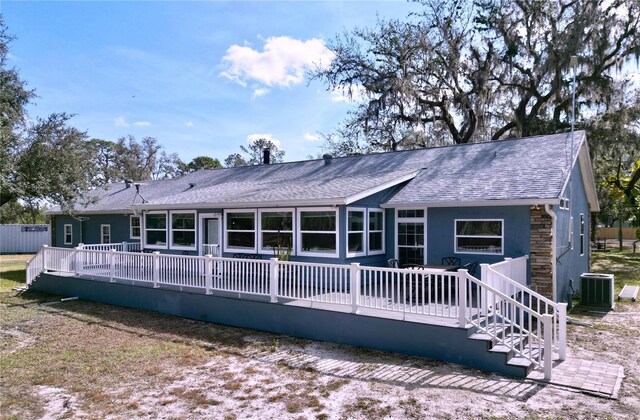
<point>547,209</point>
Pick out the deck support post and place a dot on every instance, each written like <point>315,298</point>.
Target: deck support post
<point>547,334</point>
<point>77,264</point>
<point>461,287</point>
<point>112,265</point>
<point>562,331</point>
<point>156,269</point>
<point>354,276</point>
<point>45,261</point>
<point>125,247</point>
<point>482,297</point>
<point>208,273</point>
<point>273,279</point>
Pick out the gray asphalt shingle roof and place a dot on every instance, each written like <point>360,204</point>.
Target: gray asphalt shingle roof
<point>532,168</point>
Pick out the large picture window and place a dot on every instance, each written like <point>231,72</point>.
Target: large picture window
<point>155,227</point>
<point>318,232</point>
<point>411,237</point>
<point>376,232</point>
<point>134,227</point>
<point>241,230</point>
<point>356,232</point>
<point>276,230</point>
<point>479,236</point>
<point>183,230</point>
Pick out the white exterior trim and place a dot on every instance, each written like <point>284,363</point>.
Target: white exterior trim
<point>381,187</point>
<point>170,230</point>
<point>144,230</point>
<point>102,226</point>
<point>293,227</point>
<point>381,211</point>
<point>131,216</point>
<point>476,203</point>
<point>64,234</point>
<point>554,252</point>
<point>399,220</point>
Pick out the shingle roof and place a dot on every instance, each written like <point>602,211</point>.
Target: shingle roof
<point>532,168</point>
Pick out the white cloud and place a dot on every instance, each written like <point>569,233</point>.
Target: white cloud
<point>190,124</point>
<point>142,123</point>
<point>355,94</point>
<point>312,137</point>
<point>260,92</point>
<point>282,62</point>
<point>253,137</point>
<point>120,122</point>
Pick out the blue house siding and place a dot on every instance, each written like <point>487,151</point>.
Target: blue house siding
<point>441,232</point>
<point>570,263</point>
<point>88,230</point>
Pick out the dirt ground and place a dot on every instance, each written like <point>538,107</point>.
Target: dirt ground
<point>85,360</point>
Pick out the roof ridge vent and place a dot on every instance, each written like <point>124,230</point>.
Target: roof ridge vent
<point>327,158</point>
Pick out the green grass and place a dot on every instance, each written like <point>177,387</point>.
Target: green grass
<point>13,271</point>
<point>625,266</point>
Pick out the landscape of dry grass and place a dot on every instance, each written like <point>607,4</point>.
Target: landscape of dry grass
<point>81,359</point>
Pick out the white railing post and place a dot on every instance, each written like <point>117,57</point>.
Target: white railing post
<point>547,332</point>
<point>208,273</point>
<point>77,263</point>
<point>273,279</point>
<point>125,247</point>
<point>44,257</point>
<point>156,269</point>
<point>354,276</point>
<point>112,264</point>
<point>562,331</point>
<point>484,277</point>
<point>461,279</point>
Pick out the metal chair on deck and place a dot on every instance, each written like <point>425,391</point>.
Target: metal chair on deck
<point>393,263</point>
<point>451,261</point>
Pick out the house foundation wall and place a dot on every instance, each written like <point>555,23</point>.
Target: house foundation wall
<point>541,256</point>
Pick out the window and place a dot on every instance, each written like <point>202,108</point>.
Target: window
<point>134,227</point>
<point>318,234</point>
<point>376,232</point>
<point>411,245</point>
<point>564,204</point>
<point>68,234</point>
<point>155,228</point>
<point>479,236</point>
<point>241,230</point>
<point>276,230</point>
<point>581,234</point>
<point>105,234</point>
<point>356,232</point>
<point>183,230</point>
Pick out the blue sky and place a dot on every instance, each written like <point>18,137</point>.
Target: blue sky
<point>201,77</point>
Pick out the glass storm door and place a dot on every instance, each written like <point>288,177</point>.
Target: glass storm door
<point>211,236</point>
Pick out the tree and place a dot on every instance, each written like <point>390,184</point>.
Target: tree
<point>482,69</point>
<point>14,96</point>
<point>255,154</point>
<point>144,160</point>
<point>105,159</point>
<point>233,160</point>
<point>200,162</point>
<point>54,165</point>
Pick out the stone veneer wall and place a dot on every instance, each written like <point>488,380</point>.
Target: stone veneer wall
<point>541,255</point>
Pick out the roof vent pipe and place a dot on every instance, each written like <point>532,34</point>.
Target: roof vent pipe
<point>192,184</point>
<point>327,158</point>
<point>128,183</point>
<point>266,156</point>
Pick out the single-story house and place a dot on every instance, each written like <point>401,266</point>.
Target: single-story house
<point>479,202</point>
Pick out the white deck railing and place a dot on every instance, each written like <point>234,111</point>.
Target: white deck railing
<point>118,246</point>
<point>513,315</point>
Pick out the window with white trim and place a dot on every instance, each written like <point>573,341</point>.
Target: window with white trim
<point>479,236</point>
<point>135,227</point>
<point>105,234</point>
<point>375,244</point>
<point>240,230</point>
<point>276,230</point>
<point>356,244</point>
<point>183,229</point>
<point>582,245</point>
<point>318,235</point>
<point>155,229</point>
<point>68,234</point>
